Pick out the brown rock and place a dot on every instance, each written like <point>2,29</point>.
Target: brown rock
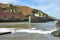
<point>58,24</point>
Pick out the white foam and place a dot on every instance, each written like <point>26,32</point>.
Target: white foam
<point>6,29</point>
<point>33,28</point>
<point>13,30</point>
<point>35,31</point>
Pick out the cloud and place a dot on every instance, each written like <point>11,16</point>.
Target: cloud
<point>51,7</point>
<point>8,1</point>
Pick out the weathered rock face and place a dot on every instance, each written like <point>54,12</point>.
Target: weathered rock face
<point>57,32</point>
<point>58,25</point>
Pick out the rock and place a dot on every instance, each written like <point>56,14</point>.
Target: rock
<point>58,24</point>
<point>56,33</point>
<point>5,33</point>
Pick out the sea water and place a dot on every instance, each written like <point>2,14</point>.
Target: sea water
<point>38,31</point>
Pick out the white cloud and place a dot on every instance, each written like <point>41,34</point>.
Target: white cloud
<point>48,0</point>
<point>8,1</point>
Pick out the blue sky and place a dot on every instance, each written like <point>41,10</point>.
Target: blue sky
<point>51,7</point>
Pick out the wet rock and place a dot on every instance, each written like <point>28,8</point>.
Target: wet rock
<point>56,33</point>
<point>58,24</point>
<point>5,33</point>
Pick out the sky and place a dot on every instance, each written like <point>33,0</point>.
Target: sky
<point>50,7</point>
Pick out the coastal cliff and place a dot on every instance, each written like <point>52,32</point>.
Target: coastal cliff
<point>16,10</point>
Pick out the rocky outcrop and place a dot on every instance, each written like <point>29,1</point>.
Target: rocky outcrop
<point>57,32</point>
<point>41,19</point>
<point>26,11</point>
<point>58,24</point>
<point>5,33</point>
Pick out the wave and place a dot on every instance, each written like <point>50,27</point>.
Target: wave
<point>35,31</point>
<point>32,30</point>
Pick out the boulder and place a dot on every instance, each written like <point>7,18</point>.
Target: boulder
<point>5,33</point>
<point>56,33</point>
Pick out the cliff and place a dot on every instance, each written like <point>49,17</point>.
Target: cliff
<point>26,11</point>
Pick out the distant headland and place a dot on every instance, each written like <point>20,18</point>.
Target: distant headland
<point>9,12</point>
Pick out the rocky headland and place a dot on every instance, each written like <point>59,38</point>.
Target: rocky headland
<point>12,13</point>
<point>57,32</point>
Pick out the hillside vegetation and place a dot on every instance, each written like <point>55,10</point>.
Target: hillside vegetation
<point>26,11</point>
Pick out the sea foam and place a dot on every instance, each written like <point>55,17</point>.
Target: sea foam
<point>31,30</point>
